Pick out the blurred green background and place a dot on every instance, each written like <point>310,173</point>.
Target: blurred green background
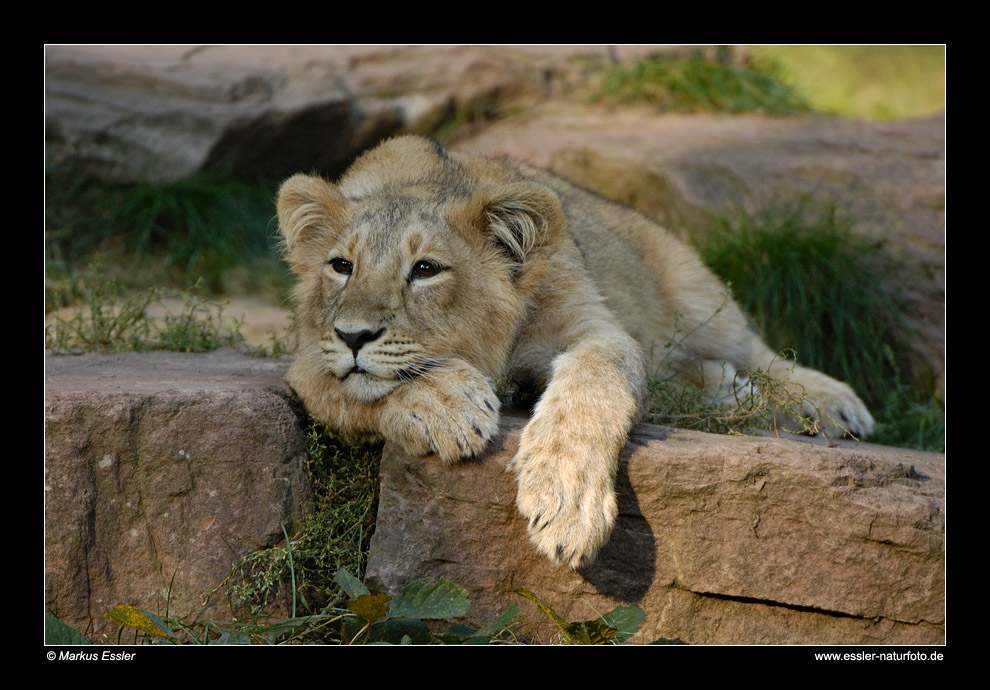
<point>889,82</point>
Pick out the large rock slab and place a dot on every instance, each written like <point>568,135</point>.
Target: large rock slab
<point>721,540</point>
<point>161,471</point>
<point>159,113</point>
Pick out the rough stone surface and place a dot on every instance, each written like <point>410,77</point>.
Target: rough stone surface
<point>721,540</point>
<point>156,113</point>
<point>163,469</point>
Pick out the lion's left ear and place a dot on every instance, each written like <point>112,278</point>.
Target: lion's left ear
<point>521,217</point>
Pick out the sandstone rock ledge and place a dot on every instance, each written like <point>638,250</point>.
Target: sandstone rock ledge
<point>721,540</point>
<point>160,465</point>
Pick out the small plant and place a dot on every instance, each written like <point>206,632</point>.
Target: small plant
<point>113,319</point>
<point>614,627</point>
<point>344,479</point>
<point>909,418</point>
<point>143,622</point>
<point>380,618</point>
<point>364,619</point>
<point>696,84</point>
<point>138,626</point>
<point>110,321</point>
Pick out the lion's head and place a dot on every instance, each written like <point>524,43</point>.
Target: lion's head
<point>414,256</point>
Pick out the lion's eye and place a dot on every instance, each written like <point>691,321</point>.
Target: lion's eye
<point>425,269</point>
<point>342,266</point>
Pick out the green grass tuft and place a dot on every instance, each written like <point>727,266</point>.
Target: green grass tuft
<point>812,285</point>
<point>344,478</point>
<point>700,85</point>
<point>205,228</point>
<point>110,318</point>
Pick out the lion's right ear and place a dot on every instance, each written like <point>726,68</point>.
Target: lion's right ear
<point>307,205</point>
<point>523,216</point>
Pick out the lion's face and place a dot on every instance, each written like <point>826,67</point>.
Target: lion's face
<point>398,291</point>
<point>396,278</point>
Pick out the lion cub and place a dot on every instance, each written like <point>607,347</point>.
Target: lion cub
<point>425,275</point>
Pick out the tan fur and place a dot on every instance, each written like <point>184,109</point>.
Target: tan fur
<point>527,276</point>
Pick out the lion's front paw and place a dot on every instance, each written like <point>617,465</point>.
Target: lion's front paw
<point>453,414</point>
<point>567,494</point>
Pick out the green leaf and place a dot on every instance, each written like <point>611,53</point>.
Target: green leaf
<point>451,637</point>
<point>501,623</point>
<point>354,630</point>
<point>625,620</point>
<point>461,634</point>
<point>387,632</point>
<point>395,631</point>
<point>461,631</point>
<point>57,632</point>
<point>350,584</point>
<point>232,637</point>
<point>138,619</point>
<point>477,639</point>
<point>423,599</point>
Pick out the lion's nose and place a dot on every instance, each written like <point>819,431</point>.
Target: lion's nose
<point>357,339</point>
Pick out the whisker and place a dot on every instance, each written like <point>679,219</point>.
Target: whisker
<point>420,369</point>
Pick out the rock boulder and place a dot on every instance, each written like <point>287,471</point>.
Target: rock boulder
<point>162,113</point>
<point>721,540</point>
<point>161,471</point>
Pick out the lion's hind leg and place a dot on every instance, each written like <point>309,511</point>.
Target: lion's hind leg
<point>805,400</point>
<point>831,406</point>
<point>775,388</point>
<point>719,381</point>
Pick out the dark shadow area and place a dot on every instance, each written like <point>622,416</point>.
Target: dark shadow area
<point>626,567</point>
<point>318,139</point>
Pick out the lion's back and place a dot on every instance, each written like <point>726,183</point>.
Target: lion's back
<point>653,282</point>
